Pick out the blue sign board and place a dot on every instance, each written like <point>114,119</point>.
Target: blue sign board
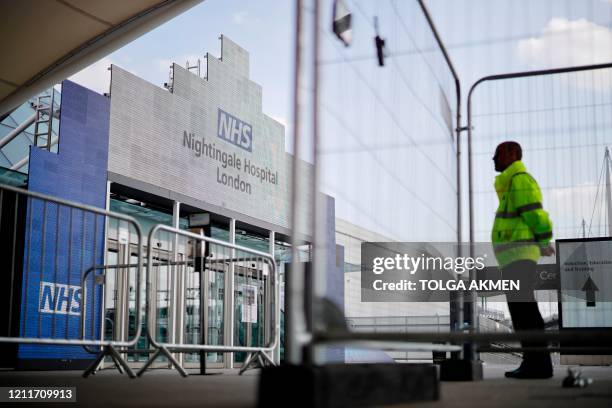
<point>60,242</point>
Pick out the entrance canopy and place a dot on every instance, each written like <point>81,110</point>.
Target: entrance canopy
<point>44,42</point>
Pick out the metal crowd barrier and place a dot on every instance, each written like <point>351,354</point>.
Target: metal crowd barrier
<point>567,339</point>
<point>302,332</point>
<point>183,261</point>
<point>55,252</point>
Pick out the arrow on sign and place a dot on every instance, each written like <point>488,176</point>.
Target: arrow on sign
<point>590,288</point>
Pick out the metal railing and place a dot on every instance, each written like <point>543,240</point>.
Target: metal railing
<point>437,323</point>
<point>55,251</point>
<point>76,280</point>
<point>183,260</point>
<point>405,324</point>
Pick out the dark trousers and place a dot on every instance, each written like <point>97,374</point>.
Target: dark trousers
<point>525,314</point>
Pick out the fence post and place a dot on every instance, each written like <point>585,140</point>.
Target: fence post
<point>229,298</point>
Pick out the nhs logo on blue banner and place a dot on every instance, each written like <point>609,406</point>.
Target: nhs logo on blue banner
<point>233,130</point>
<point>60,299</point>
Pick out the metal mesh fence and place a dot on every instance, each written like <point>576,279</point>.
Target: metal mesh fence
<point>377,119</point>
<point>562,122</point>
<point>386,132</point>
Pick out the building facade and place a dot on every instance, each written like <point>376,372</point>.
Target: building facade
<point>198,148</point>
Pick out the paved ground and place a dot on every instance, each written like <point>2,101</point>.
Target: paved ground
<point>165,388</point>
<point>497,391</point>
<point>157,388</point>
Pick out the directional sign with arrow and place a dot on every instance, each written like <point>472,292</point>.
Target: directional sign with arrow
<point>590,288</point>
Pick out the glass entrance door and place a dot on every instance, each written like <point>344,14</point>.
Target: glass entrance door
<point>120,299</point>
<point>249,309</point>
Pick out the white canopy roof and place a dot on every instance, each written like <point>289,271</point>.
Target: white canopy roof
<point>44,42</point>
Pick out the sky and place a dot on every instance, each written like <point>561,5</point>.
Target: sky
<point>493,36</point>
<point>263,27</point>
<point>383,127</point>
<point>502,36</point>
<point>482,36</point>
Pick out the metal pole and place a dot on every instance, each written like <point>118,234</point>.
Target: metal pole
<point>607,164</point>
<point>50,125</point>
<point>456,300</point>
<point>105,246</point>
<point>25,160</point>
<point>602,337</point>
<point>177,287</point>
<point>294,287</point>
<point>277,305</point>
<point>13,133</point>
<point>469,350</point>
<point>316,277</point>
<point>204,251</point>
<point>229,297</point>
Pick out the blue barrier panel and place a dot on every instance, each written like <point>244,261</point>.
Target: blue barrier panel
<point>61,243</point>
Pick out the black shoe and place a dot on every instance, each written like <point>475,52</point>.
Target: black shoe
<point>530,372</point>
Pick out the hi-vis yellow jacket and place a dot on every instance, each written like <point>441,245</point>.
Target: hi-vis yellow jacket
<point>521,225</point>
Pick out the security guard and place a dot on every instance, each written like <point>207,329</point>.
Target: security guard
<point>521,234</point>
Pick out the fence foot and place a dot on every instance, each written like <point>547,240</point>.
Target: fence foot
<point>117,365</point>
<point>247,362</point>
<point>163,350</point>
<point>94,366</point>
<point>148,363</point>
<point>267,358</point>
<point>120,363</point>
<point>173,361</point>
<point>257,360</point>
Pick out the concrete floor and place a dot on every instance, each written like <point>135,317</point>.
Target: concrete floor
<point>157,388</point>
<point>498,391</point>
<point>165,388</point>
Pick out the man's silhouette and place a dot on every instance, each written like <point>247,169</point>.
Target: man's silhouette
<point>521,234</point>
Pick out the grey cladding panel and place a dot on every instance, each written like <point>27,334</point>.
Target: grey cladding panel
<point>148,143</point>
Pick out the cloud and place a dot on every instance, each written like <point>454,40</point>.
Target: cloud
<point>566,204</point>
<point>243,17</point>
<point>240,17</point>
<point>95,77</point>
<point>565,43</point>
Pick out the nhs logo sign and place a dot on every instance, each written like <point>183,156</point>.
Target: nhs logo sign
<point>233,130</point>
<point>60,299</point>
